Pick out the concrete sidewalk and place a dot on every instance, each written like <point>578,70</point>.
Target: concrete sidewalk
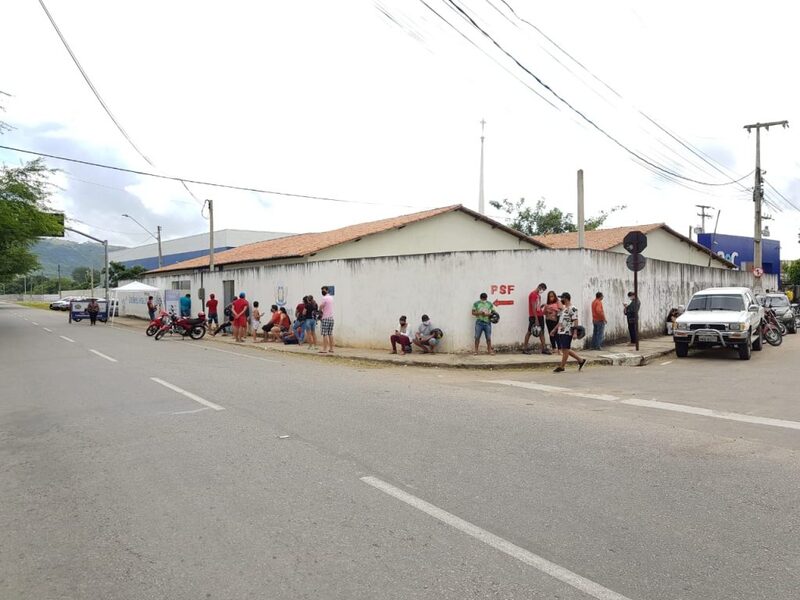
<point>620,354</point>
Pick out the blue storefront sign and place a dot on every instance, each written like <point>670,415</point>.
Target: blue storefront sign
<point>739,249</point>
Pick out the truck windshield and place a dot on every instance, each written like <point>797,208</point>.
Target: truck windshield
<point>716,302</point>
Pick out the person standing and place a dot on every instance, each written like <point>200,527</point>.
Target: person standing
<point>536,318</point>
<point>186,305</point>
<point>326,325</point>
<point>632,315</point>
<point>598,322</point>
<point>310,323</point>
<point>240,308</point>
<point>151,308</point>
<point>212,305</point>
<point>256,321</point>
<point>482,311</point>
<point>567,331</point>
<point>93,308</point>
<point>551,310</point>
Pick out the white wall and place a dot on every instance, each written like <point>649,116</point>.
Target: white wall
<point>662,245</point>
<point>371,293</point>
<point>450,232</point>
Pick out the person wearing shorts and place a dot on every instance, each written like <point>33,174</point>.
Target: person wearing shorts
<point>255,321</point>
<point>326,324</point>
<point>566,331</point>
<point>211,309</point>
<point>240,306</point>
<point>536,319</point>
<point>310,324</point>
<point>482,311</point>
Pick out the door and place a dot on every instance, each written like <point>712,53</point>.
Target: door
<point>227,291</point>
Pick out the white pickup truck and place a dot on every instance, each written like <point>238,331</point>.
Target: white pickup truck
<point>726,317</point>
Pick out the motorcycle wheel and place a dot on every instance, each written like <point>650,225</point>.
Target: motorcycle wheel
<point>773,336</point>
<point>160,334</point>
<point>197,333</point>
<point>152,330</point>
<point>782,327</point>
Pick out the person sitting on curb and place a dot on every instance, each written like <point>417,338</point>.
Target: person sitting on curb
<point>401,336</point>
<point>272,324</point>
<point>567,330</point>
<point>425,338</point>
<point>482,311</point>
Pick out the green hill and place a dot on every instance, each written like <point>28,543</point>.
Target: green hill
<point>70,255</point>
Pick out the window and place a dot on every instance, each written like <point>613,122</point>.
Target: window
<point>182,285</point>
<point>717,302</point>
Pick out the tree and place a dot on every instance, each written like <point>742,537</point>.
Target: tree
<point>539,221</point>
<point>83,276</point>
<point>793,272</point>
<point>24,192</point>
<point>118,271</point>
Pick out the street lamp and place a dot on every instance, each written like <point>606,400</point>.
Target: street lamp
<point>156,237</point>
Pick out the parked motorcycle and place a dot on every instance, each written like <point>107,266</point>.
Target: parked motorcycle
<point>157,323</point>
<point>796,311</point>
<point>183,326</point>
<point>772,318</point>
<point>770,331</point>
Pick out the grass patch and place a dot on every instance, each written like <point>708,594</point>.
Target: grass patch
<point>43,305</point>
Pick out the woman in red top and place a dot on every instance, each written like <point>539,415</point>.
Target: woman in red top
<point>240,306</point>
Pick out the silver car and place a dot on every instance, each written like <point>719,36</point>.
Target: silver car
<point>782,307</point>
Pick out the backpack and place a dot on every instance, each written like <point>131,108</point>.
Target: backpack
<point>437,333</point>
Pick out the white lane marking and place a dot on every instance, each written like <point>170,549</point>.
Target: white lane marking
<point>656,404</point>
<point>717,414</point>
<point>101,355</point>
<point>587,586</point>
<point>190,395</point>
<point>70,340</point>
<point>35,323</point>
<point>191,412</point>
<point>47,330</point>
<point>667,362</point>
<point>554,389</point>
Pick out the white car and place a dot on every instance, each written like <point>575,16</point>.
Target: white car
<point>726,317</point>
<point>63,304</point>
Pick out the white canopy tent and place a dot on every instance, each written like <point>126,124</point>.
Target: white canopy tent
<point>132,298</point>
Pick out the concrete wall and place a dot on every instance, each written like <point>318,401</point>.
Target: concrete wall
<point>662,245</point>
<point>371,293</point>
<point>451,232</point>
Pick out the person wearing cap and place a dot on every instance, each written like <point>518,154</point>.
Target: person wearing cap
<point>482,311</point>
<point>598,322</point>
<point>401,336</point>
<point>566,331</point>
<point>240,308</point>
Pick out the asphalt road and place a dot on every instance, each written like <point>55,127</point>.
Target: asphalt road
<point>393,482</point>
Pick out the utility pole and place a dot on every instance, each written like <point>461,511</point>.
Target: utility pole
<point>105,252</point>
<point>758,194</point>
<point>160,257</point>
<point>59,282</point>
<point>703,216</point>
<point>210,235</point>
<point>481,207</point>
<point>581,221</point>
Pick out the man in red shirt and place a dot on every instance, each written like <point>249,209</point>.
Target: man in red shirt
<point>240,306</point>
<point>536,319</point>
<point>598,322</point>
<point>211,313</point>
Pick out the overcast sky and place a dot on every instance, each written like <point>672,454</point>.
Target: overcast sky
<point>338,99</point>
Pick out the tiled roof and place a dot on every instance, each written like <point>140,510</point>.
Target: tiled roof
<point>295,246</point>
<point>599,239</point>
<point>606,239</point>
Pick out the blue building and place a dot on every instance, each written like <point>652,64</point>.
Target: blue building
<point>739,250</point>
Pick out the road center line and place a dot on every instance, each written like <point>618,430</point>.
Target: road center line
<point>101,355</point>
<point>189,395</point>
<point>656,404</point>
<point>70,340</point>
<point>595,590</point>
<point>717,414</point>
<point>35,323</point>
<point>240,354</point>
<point>47,330</point>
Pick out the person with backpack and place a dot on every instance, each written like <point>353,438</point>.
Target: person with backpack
<point>311,313</point>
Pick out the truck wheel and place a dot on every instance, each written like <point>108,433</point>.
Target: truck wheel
<point>681,349</point>
<point>745,350</point>
<point>758,344</point>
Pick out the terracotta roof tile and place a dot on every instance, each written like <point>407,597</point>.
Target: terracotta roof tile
<point>599,239</point>
<point>295,246</point>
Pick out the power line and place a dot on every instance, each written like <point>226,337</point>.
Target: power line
<point>198,182</point>
<point>789,202</point>
<point>564,101</point>
<point>100,98</point>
